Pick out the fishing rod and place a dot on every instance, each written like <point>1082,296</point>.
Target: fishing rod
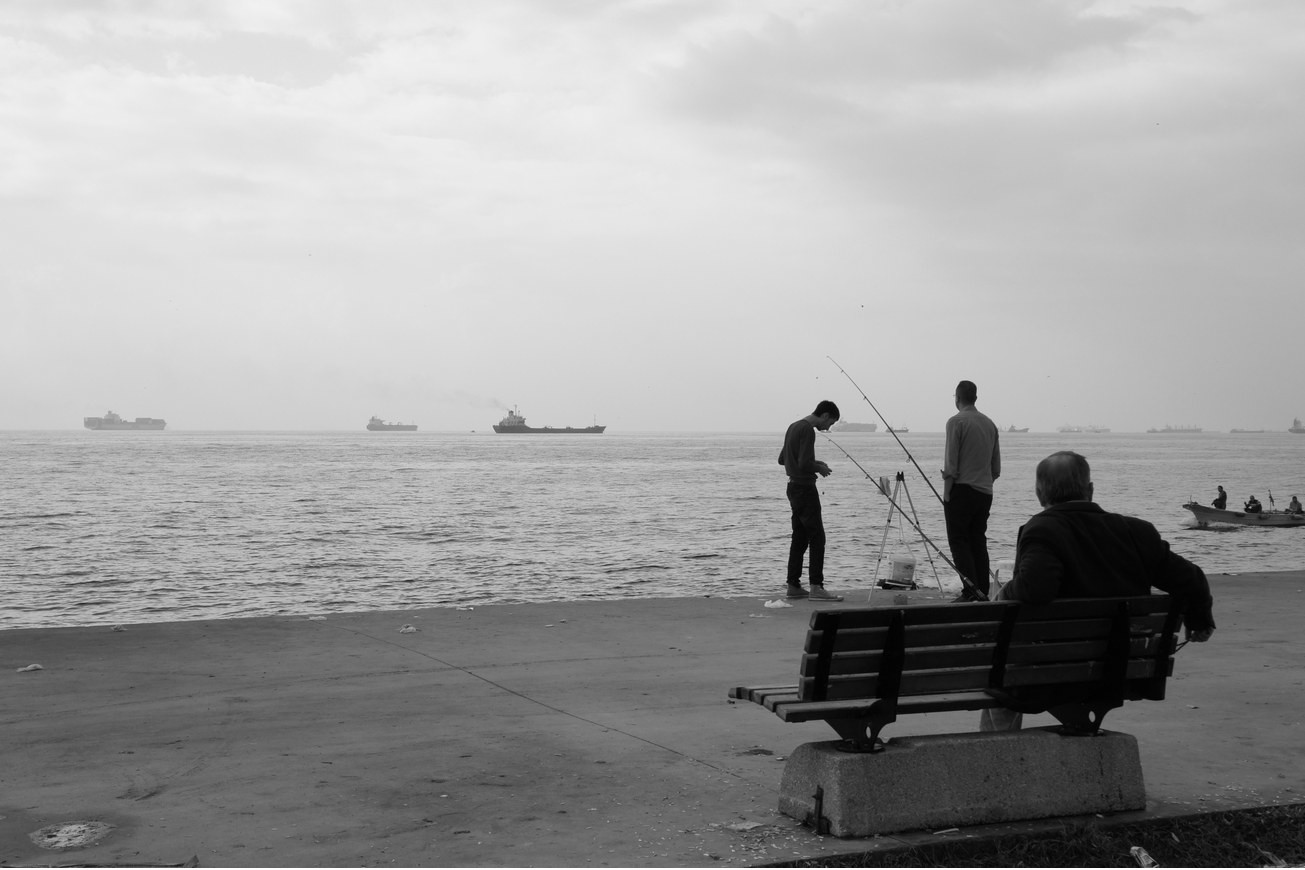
<point>909,456</point>
<point>974,590</point>
<point>890,431</point>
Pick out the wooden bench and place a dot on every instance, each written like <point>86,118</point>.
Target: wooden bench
<point>1074,658</point>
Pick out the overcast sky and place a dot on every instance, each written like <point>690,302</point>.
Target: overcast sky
<point>661,215</point>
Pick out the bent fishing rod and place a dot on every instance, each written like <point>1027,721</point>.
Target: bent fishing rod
<point>974,590</point>
<point>890,431</point>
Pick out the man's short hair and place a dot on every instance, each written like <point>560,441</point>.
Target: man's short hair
<point>1063,476</point>
<point>827,407</point>
<point>967,392</point>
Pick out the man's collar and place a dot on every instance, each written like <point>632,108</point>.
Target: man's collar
<point>1080,505</point>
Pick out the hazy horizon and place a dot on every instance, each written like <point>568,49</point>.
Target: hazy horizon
<point>656,214</point>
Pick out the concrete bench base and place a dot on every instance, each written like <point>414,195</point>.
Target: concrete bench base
<point>951,780</point>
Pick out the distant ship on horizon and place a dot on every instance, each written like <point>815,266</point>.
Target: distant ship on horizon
<point>1296,427</point>
<point>112,422</point>
<point>848,426</point>
<point>1175,430</point>
<point>376,424</point>
<point>1095,430</point>
<point>515,424</point>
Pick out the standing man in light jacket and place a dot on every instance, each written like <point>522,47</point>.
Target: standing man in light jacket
<point>971,462</point>
<point>798,456</point>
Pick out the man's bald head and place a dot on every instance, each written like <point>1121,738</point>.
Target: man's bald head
<point>1063,476</point>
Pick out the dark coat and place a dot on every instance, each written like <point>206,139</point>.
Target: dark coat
<point>1078,550</point>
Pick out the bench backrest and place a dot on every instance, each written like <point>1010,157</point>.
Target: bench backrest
<point>891,652</point>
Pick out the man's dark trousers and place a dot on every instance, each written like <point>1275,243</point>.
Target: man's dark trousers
<point>808,533</point>
<point>966,513</point>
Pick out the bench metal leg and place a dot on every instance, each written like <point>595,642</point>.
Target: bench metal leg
<point>860,735</point>
<point>1083,718</point>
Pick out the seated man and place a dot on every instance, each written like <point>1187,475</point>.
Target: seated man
<point>1294,506</point>
<point>1253,506</point>
<point>1220,500</point>
<point>1074,549</point>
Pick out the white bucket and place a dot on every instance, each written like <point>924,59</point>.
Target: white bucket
<point>1004,569</point>
<point>903,571</point>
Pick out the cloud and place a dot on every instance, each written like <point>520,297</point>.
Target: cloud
<point>554,202</point>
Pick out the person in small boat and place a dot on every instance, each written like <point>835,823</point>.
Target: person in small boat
<point>1220,500</point>
<point>1293,507</point>
<point>1253,506</point>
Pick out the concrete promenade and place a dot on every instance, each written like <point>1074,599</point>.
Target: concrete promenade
<point>570,734</point>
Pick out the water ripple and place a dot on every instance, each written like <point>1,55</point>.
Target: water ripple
<point>177,526</point>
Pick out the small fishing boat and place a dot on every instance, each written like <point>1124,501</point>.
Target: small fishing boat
<point>1273,518</point>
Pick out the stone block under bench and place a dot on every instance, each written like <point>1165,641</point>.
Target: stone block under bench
<point>953,780</point>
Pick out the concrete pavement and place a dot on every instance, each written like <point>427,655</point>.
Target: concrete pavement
<point>567,734</point>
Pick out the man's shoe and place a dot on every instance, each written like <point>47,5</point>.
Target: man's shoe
<point>796,591</point>
<point>818,593</point>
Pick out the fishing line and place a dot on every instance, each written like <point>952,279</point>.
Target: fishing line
<point>965,581</point>
<point>890,431</point>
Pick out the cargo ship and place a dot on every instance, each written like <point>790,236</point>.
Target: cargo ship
<point>376,424</point>
<point>515,424</point>
<point>112,421</point>
<point>1175,430</point>
<point>849,426</point>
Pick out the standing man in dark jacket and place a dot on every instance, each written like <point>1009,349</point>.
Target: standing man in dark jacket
<point>1074,549</point>
<point>971,463</point>
<point>798,457</point>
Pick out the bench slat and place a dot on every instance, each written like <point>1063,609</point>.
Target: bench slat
<point>988,611</point>
<point>940,634</point>
<point>957,680</point>
<point>933,658</point>
<point>810,711</point>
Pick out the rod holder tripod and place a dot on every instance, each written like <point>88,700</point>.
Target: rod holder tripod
<point>898,579</point>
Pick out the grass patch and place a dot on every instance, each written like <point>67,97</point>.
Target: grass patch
<point>1262,837</point>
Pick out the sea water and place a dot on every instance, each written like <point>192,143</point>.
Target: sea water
<point>122,527</point>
